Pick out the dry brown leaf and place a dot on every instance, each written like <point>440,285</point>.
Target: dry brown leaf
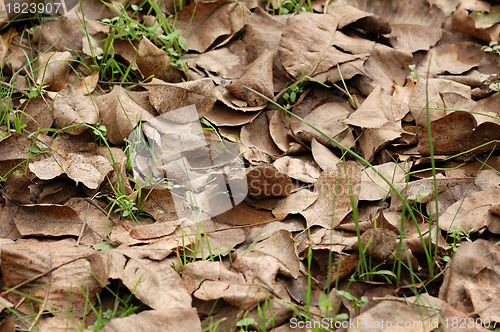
<point>61,34</point>
<point>153,61</point>
<point>53,69</point>
<point>207,280</point>
<point>467,262</point>
<point>400,101</point>
<point>166,97</point>
<point>415,25</point>
<point>295,203</point>
<point>120,114</point>
<point>72,108</point>
<point>257,142</point>
<point>173,319</point>
<point>374,140</point>
<point>483,292</point>
<point>228,62</point>
<point>51,220</point>
<point>262,33</point>
<point>432,90</point>
<point>282,135</point>
<point>210,24</point>
<point>471,24</point>
<point>266,259</point>
<point>267,181</point>
<point>323,156</point>
<point>257,76</point>
<point>385,67</point>
<point>457,132</point>
<point>302,168</point>
<point>373,187</point>
<point>221,115</point>
<point>318,32</point>
<point>242,214</point>
<point>154,283</point>
<point>334,196</point>
<point>373,113</point>
<point>453,58</point>
<point>26,259</point>
<point>472,213</point>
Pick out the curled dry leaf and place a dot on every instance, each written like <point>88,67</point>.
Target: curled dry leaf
<point>72,108</point>
<point>373,187</point>
<point>166,97</point>
<point>262,33</point>
<point>53,69</point>
<point>153,61</point>
<point>415,25</point>
<point>454,58</point>
<point>257,142</point>
<point>373,113</point>
<point>471,24</point>
<point>258,76</point>
<point>51,220</point>
<point>302,168</point>
<point>266,259</point>
<point>432,90</point>
<point>120,114</point>
<point>221,115</point>
<point>207,281</point>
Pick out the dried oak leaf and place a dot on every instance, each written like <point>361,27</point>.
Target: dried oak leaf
<point>153,61</point>
<point>258,76</point>
<point>120,114</point>
<point>72,108</point>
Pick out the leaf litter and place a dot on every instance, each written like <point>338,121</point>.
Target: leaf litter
<point>369,74</point>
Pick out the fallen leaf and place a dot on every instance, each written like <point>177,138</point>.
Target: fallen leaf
<point>71,108</point>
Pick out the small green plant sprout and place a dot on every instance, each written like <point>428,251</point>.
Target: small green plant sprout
<point>356,303</point>
<point>327,310</point>
<point>457,234</point>
<point>414,73</point>
<point>283,7</point>
<point>493,47</point>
